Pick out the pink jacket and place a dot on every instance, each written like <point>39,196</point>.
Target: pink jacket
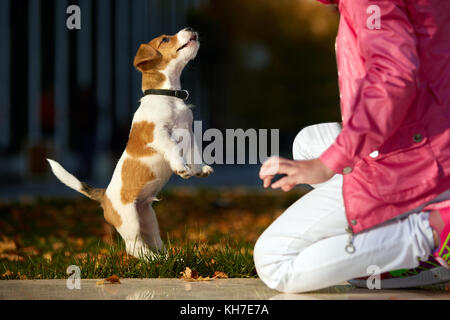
<point>394,77</point>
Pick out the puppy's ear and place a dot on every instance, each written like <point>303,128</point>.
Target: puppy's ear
<point>146,57</point>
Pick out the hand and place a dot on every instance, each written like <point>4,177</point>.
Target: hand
<point>297,172</point>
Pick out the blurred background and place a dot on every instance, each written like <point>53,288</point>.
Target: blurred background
<point>70,95</point>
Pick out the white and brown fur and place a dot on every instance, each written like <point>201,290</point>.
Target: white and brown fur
<point>148,160</point>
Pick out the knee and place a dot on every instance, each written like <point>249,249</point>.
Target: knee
<point>269,267</point>
<point>313,140</point>
<point>302,141</point>
<point>262,261</point>
<point>276,268</point>
<point>258,255</point>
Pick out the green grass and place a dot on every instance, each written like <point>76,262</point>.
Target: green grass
<point>101,261</point>
<point>204,230</point>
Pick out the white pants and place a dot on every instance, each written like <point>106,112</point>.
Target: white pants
<point>304,249</point>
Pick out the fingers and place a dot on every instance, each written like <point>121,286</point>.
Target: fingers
<point>268,171</point>
<point>269,168</point>
<point>287,187</point>
<point>267,181</point>
<point>275,165</point>
<point>284,183</point>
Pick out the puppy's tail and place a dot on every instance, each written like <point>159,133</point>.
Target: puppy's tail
<point>72,182</point>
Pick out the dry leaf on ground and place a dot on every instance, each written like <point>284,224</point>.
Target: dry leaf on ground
<point>57,245</point>
<point>31,251</point>
<point>7,245</point>
<point>220,275</point>
<point>47,256</point>
<point>8,273</point>
<point>112,279</point>
<point>189,275</point>
<point>11,257</point>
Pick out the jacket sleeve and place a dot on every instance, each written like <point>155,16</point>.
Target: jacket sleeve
<point>388,88</point>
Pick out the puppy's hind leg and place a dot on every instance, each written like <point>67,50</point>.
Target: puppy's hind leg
<point>141,234</point>
<point>142,239</point>
<point>148,225</point>
<point>130,233</point>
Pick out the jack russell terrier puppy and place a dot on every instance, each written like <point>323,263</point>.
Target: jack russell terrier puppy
<point>152,152</point>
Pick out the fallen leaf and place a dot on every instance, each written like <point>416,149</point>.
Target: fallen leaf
<point>47,256</point>
<point>11,257</point>
<point>189,275</point>
<point>113,279</point>
<point>57,245</point>
<point>7,274</point>
<point>220,275</point>
<point>100,283</point>
<point>7,245</point>
<point>31,251</point>
<point>199,279</point>
<point>79,242</point>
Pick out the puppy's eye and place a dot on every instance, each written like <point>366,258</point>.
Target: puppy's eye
<point>164,40</point>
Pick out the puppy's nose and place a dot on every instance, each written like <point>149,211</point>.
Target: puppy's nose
<point>189,29</point>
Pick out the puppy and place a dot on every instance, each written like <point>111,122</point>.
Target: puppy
<point>152,153</point>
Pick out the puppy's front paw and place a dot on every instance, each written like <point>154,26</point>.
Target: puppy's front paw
<point>205,172</point>
<point>183,170</point>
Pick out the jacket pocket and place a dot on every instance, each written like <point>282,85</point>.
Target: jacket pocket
<point>406,167</point>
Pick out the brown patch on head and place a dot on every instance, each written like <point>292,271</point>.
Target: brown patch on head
<point>135,176</point>
<point>153,57</point>
<point>110,213</point>
<point>141,134</point>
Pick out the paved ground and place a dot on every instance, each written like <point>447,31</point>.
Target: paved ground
<point>167,289</point>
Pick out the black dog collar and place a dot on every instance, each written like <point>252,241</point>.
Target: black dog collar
<point>180,94</point>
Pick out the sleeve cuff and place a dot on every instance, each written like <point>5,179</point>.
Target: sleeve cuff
<point>336,161</point>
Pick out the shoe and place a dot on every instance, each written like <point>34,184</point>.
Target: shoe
<point>440,222</point>
<point>433,271</point>
<point>428,272</point>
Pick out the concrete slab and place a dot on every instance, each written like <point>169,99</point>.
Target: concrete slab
<point>175,289</point>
